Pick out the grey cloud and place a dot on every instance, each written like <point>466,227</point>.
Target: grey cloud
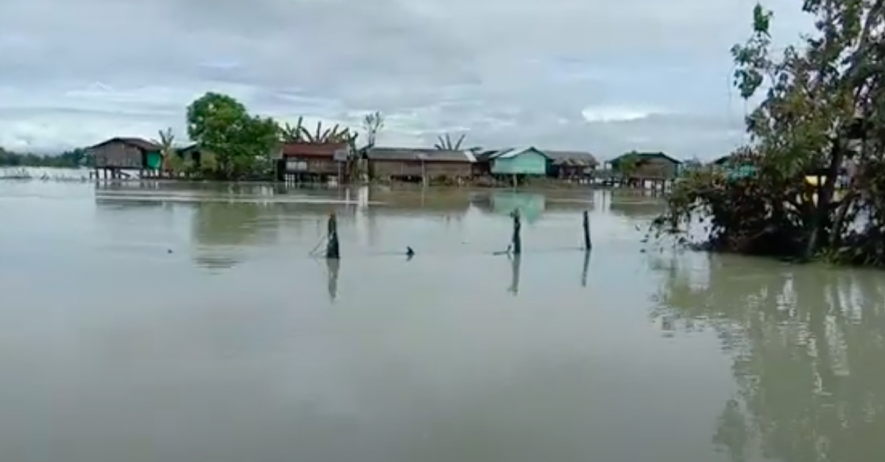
<point>510,73</point>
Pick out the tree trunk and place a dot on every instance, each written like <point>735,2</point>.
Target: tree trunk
<point>821,219</point>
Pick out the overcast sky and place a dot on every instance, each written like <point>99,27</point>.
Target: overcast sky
<point>599,75</point>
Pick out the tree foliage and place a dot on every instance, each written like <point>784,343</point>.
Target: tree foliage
<point>445,143</point>
<point>243,144</point>
<point>168,152</point>
<point>299,133</point>
<point>75,158</point>
<point>628,164</point>
<point>822,114</point>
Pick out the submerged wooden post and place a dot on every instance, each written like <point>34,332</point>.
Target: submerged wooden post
<point>517,240</point>
<point>585,268</point>
<point>332,238</point>
<point>587,244</point>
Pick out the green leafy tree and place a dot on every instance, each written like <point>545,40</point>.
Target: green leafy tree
<point>243,145</point>
<point>208,165</point>
<point>823,107</point>
<point>628,164</point>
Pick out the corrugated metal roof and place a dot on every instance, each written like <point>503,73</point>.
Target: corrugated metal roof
<point>510,153</point>
<point>413,154</point>
<point>313,149</point>
<point>646,155</point>
<point>139,143</point>
<point>577,158</point>
<point>484,155</point>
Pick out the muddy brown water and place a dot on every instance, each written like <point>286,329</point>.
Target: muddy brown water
<point>237,346</point>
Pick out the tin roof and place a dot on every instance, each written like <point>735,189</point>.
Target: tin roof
<point>313,149</point>
<point>509,153</point>
<point>575,158</point>
<point>419,154</point>
<point>646,156</point>
<point>139,143</point>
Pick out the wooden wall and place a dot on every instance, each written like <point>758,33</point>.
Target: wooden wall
<point>118,155</point>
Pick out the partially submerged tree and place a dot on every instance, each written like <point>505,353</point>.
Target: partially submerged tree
<point>242,144</point>
<point>820,99</point>
<point>445,143</point>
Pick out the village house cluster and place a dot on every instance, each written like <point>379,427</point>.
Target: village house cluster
<point>330,161</point>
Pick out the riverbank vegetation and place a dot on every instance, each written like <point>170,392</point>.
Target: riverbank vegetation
<point>69,159</point>
<point>817,149</point>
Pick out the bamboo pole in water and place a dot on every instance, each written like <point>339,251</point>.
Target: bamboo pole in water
<point>517,240</point>
<point>587,244</point>
<point>332,250</point>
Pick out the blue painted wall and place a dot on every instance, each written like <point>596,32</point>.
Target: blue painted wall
<point>530,162</point>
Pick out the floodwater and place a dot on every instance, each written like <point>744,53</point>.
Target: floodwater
<point>180,323</point>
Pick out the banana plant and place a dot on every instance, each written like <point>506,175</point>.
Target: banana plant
<point>167,148</point>
<point>335,134</point>
<point>293,133</point>
<point>444,143</point>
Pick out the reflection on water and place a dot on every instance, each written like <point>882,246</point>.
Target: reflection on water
<point>189,323</point>
<point>333,265</point>
<point>636,208</point>
<point>515,263</point>
<point>807,345</point>
<point>530,205</point>
<point>220,229</point>
<point>585,269</point>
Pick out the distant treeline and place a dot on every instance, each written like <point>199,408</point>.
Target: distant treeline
<point>68,159</point>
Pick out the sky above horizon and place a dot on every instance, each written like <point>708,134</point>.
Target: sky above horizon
<point>593,75</point>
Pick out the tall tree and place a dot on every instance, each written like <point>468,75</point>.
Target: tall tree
<point>243,144</point>
<point>823,108</point>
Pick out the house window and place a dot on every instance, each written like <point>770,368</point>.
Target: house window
<point>296,165</point>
